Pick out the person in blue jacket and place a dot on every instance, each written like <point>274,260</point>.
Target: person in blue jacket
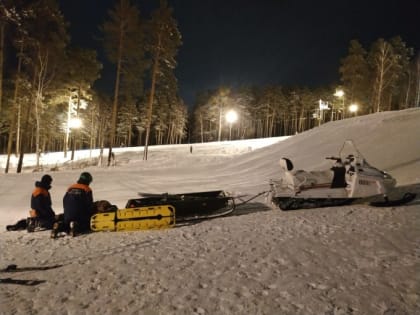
<point>42,216</point>
<point>78,205</point>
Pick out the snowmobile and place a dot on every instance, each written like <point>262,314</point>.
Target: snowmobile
<point>351,178</point>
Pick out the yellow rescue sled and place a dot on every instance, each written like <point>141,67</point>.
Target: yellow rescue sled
<point>134,219</point>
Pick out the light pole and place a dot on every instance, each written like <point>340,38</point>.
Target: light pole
<point>353,108</point>
<point>340,94</point>
<point>231,117</point>
<point>322,106</point>
<point>74,124</point>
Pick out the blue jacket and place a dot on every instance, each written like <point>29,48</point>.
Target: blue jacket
<point>78,206</point>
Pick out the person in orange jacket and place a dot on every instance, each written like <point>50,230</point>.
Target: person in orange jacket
<point>78,205</point>
<point>42,216</point>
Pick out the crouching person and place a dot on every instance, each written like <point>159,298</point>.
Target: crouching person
<point>42,216</point>
<point>78,206</point>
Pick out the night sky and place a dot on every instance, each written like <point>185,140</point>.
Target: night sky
<point>259,42</point>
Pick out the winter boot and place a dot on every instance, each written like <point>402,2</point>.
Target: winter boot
<point>55,230</point>
<point>74,228</point>
<point>30,225</point>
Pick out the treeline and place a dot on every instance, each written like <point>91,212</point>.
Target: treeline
<point>47,83</point>
<point>385,77</point>
<point>46,86</point>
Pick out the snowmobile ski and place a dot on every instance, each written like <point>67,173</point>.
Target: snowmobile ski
<point>408,197</point>
<point>131,219</point>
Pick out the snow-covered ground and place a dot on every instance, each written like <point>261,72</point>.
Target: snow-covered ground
<point>345,260</point>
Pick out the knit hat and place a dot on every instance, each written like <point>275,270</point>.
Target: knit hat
<point>85,178</point>
<point>46,180</point>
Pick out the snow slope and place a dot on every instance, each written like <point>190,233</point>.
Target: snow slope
<point>348,260</point>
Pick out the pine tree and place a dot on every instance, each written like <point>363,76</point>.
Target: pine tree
<point>82,71</point>
<point>123,45</point>
<point>164,42</point>
<point>355,74</point>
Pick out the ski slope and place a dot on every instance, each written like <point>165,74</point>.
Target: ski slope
<point>348,260</point>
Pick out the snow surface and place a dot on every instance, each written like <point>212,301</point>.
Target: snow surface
<point>344,260</point>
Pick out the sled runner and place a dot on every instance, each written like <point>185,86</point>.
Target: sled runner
<point>139,218</point>
<point>351,178</point>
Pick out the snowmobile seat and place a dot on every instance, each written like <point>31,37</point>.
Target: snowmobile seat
<point>314,179</point>
<point>300,179</point>
<point>286,165</point>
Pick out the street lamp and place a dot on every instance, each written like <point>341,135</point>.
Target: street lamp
<point>340,94</point>
<point>231,117</point>
<point>75,123</point>
<point>353,108</point>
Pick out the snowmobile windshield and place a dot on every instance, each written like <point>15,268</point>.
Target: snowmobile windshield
<point>350,154</point>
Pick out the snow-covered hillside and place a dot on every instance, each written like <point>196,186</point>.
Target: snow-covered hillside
<point>348,260</point>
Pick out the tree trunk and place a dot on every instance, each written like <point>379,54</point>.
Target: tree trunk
<point>43,65</point>
<point>407,94</point>
<point>116,94</point>
<point>14,115</point>
<point>151,98</point>
<point>379,89</point>
<point>201,129</point>
<point>417,100</point>
<point>23,146</point>
<point>219,133</point>
<point>2,25</point>
<point>25,131</point>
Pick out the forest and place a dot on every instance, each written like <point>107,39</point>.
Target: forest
<point>48,99</point>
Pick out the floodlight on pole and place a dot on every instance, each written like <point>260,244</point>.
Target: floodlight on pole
<point>75,123</point>
<point>231,117</point>
<point>353,108</point>
<point>340,94</point>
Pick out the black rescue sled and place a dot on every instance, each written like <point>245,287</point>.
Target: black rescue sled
<point>157,211</point>
<point>189,206</point>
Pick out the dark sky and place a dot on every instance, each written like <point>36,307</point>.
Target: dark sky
<point>237,42</point>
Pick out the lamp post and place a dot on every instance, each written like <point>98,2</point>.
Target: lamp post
<point>74,124</point>
<point>322,107</point>
<point>353,108</point>
<point>231,117</point>
<point>340,94</point>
